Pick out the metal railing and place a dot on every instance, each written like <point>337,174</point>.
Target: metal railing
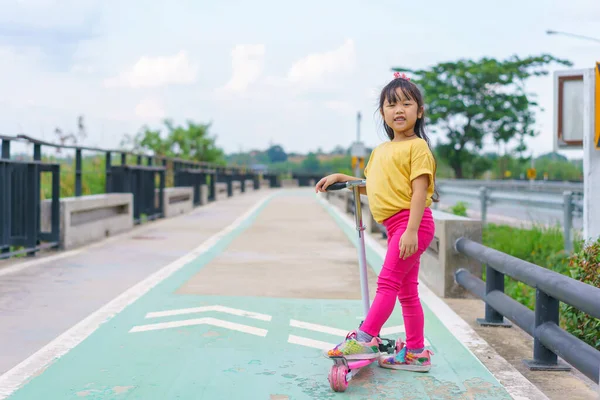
<point>141,182</point>
<point>20,204</point>
<point>571,204</point>
<point>550,341</point>
<point>20,188</point>
<point>512,185</point>
<point>195,178</point>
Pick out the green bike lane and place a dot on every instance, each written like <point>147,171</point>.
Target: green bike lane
<point>247,316</point>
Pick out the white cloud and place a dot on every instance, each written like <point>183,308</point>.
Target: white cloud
<point>315,67</point>
<point>150,108</point>
<point>247,62</point>
<point>157,71</point>
<point>83,69</point>
<point>343,107</point>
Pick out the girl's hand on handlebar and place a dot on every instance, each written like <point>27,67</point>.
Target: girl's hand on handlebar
<point>324,183</point>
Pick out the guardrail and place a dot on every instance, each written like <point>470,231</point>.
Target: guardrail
<point>458,254</point>
<point>550,341</point>
<point>21,208</point>
<point>542,186</point>
<point>571,204</point>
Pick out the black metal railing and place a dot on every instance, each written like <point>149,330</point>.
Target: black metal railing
<point>196,178</point>
<point>550,341</point>
<point>20,204</point>
<point>225,176</point>
<point>274,180</point>
<point>306,179</point>
<point>146,178</point>
<point>140,181</point>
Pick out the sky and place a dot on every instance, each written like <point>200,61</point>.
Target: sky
<point>262,72</point>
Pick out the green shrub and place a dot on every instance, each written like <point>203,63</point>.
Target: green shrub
<point>540,245</point>
<point>459,208</point>
<point>545,247</point>
<point>584,266</point>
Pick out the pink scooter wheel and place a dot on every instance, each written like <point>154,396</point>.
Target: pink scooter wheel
<point>339,382</point>
<point>332,377</point>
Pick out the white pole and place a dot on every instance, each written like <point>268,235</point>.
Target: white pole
<point>362,254</point>
<point>591,161</point>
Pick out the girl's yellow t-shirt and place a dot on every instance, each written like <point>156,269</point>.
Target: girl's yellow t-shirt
<point>390,171</point>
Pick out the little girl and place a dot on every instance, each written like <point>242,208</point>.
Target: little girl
<point>400,187</point>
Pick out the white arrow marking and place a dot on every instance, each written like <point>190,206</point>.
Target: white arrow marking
<point>317,344</point>
<point>318,328</point>
<point>201,321</point>
<point>392,329</point>
<point>217,308</point>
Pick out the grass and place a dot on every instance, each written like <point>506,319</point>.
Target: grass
<point>539,245</point>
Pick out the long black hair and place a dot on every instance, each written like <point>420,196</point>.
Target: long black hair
<point>411,92</point>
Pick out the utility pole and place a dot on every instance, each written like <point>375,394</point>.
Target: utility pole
<point>358,150</point>
<point>358,118</point>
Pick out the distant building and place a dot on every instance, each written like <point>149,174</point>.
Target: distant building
<point>259,168</point>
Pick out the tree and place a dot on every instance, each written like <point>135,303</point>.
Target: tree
<point>469,100</point>
<point>276,154</point>
<point>64,138</point>
<point>191,142</point>
<point>311,163</point>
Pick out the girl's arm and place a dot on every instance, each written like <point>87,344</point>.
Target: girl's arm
<point>417,202</point>
<point>344,178</point>
<point>409,242</point>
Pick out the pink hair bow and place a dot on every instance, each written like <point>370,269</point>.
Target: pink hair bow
<point>401,75</point>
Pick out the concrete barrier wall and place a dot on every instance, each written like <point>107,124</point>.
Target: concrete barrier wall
<point>286,183</point>
<point>237,187</point>
<point>87,219</point>
<point>221,189</point>
<point>176,200</point>
<point>440,260</point>
<point>249,185</point>
<point>204,191</point>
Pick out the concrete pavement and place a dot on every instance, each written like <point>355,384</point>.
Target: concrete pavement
<point>235,300</point>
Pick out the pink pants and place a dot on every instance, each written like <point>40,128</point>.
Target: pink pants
<point>399,279</point>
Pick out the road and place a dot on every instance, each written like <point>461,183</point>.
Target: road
<point>515,214</point>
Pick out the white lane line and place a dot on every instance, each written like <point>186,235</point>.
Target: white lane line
<point>318,328</point>
<point>341,332</point>
<point>392,329</point>
<point>201,321</point>
<point>217,308</point>
<point>316,344</point>
<point>11,380</point>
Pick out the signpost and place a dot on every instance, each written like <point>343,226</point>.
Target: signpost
<point>597,107</point>
<point>577,126</point>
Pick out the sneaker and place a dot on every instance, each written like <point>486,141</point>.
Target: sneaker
<point>407,361</point>
<point>352,349</point>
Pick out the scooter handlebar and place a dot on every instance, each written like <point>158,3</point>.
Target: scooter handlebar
<point>336,186</point>
<point>348,185</point>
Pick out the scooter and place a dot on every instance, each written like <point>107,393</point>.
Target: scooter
<point>343,370</point>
